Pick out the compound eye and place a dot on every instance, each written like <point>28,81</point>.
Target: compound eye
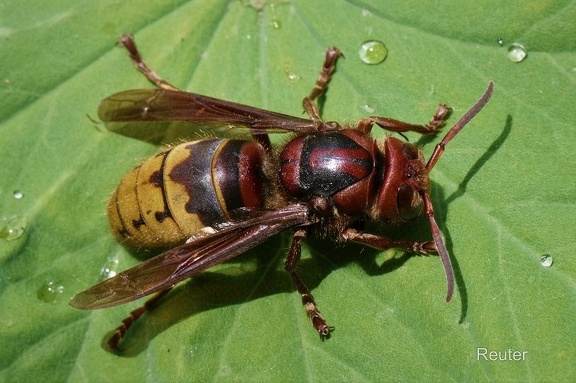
<point>409,203</point>
<point>410,151</point>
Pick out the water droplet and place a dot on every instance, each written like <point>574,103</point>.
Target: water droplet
<point>18,194</point>
<point>12,227</point>
<point>501,42</point>
<point>292,76</point>
<point>109,268</point>
<point>373,52</point>
<point>516,53</point>
<point>50,291</point>
<point>276,23</point>
<point>368,108</point>
<point>546,260</point>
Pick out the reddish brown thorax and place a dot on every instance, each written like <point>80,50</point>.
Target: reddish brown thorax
<point>405,175</point>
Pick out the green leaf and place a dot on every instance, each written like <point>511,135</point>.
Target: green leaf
<point>503,192</point>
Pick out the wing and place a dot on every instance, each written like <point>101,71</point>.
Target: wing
<point>173,105</point>
<point>175,265</point>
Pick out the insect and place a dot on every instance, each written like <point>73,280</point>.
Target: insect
<point>213,199</point>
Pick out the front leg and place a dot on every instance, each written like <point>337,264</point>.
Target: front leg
<point>392,125</point>
<point>380,242</point>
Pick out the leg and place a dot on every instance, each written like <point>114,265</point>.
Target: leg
<point>392,125</point>
<point>328,68</point>
<point>134,315</point>
<point>307,300</point>
<point>382,243</point>
<point>130,45</point>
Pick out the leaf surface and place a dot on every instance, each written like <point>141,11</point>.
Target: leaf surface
<point>502,192</point>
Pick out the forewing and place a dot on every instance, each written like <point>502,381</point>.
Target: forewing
<point>175,265</point>
<point>172,105</point>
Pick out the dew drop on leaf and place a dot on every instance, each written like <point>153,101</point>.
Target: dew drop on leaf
<point>373,52</point>
<point>546,260</point>
<point>50,291</point>
<point>516,53</point>
<point>109,268</point>
<point>368,108</point>
<point>292,76</point>
<point>276,23</point>
<point>12,228</point>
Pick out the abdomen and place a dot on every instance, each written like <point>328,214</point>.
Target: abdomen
<point>173,195</point>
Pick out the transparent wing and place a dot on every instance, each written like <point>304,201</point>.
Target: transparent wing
<point>173,105</point>
<point>185,261</point>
